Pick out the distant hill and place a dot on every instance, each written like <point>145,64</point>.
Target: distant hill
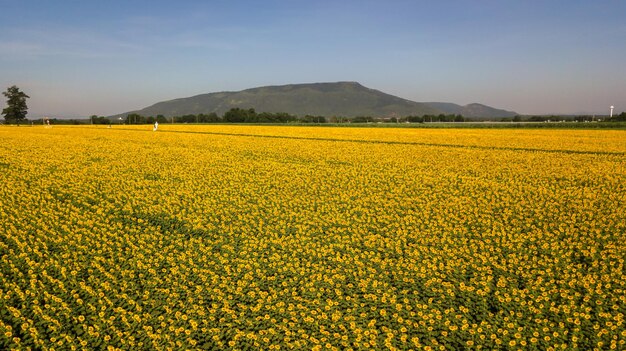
<point>471,110</point>
<point>348,99</point>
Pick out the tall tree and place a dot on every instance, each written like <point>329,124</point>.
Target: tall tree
<point>16,109</point>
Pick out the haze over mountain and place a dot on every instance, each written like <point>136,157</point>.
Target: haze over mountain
<point>347,99</point>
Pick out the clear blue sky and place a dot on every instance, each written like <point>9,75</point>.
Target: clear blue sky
<point>81,57</point>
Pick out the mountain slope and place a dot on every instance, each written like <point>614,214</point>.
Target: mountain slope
<point>471,110</point>
<point>347,99</point>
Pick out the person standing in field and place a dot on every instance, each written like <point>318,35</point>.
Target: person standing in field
<point>156,126</point>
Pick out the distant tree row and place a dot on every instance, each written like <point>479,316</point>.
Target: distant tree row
<point>234,115</point>
<point>556,118</point>
<point>237,115</point>
<point>57,121</point>
<point>619,118</point>
<point>212,118</point>
<point>240,115</point>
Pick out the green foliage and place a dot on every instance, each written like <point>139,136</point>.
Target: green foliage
<point>208,118</point>
<point>443,118</point>
<point>94,119</point>
<point>239,115</point>
<point>415,119</point>
<point>361,119</point>
<point>619,118</point>
<point>16,109</point>
<point>313,119</point>
<point>135,118</point>
<point>250,115</point>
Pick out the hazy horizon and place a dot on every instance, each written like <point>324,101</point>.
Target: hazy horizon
<point>81,58</point>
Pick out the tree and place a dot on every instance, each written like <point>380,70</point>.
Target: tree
<point>16,109</point>
<point>238,115</point>
<point>135,118</point>
<point>313,119</point>
<point>210,118</point>
<point>619,118</point>
<point>161,119</point>
<point>415,119</point>
<point>95,119</point>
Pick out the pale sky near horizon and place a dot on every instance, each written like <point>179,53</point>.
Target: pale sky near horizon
<point>78,58</point>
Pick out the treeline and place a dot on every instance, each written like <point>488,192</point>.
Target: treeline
<point>57,121</point>
<point>556,118</point>
<point>239,115</point>
<point>234,115</point>
<point>618,118</point>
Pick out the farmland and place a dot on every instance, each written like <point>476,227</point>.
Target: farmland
<point>248,237</point>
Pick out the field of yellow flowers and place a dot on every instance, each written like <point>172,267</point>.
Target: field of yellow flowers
<point>267,237</point>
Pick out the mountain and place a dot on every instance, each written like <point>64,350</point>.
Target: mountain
<point>347,99</point>
<point>471,110</point>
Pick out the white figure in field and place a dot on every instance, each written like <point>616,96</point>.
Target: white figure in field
<point>156,126</point>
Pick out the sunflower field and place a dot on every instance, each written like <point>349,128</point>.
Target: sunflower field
<point>314,238</point>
